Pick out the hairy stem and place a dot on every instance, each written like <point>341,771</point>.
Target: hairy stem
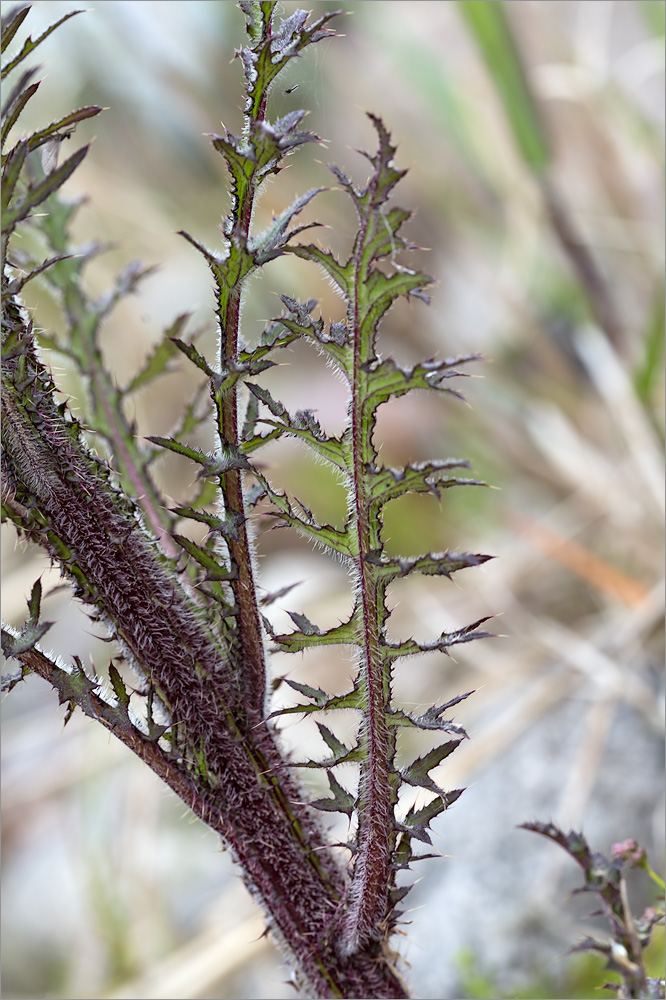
<point>245,794</point>
<point>371,879</point>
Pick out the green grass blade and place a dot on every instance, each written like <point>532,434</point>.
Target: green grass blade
<point>489,25</point>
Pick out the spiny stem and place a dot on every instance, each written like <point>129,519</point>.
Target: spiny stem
<point>368,891</point>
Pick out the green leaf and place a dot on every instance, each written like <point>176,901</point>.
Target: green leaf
<point>386,483</point>
<point>11,24</point>
<point>158,361</point>
<point>416,823</point>
<point>388,379</point>
<point>431,719</point>
<point>16,106</point>
<point>227,525</point>
<point>654,16</point>
<point>323,534</point>
<point>321,701</point>
<point>10,174</point>
<point>119,687</point>
<point>271,242</point>
<point>340,753</point>
<point>32,631</point>
<point>309,635</point>
<point>381,290</point>
<point>35,601</point>
<point>239,163</point>
<point>181,449</point>
<point>215,570</point>
<point>38,193</point>
<point>386,241</point>
<point>333,268</point>
<point>190,351</point>
<point>443,564</point>
<point>29,46</point>
<point>417,774</point>
<point>51,131</point>
<point>447,639</point>
<point>342,800</point>
<point>648,372</point>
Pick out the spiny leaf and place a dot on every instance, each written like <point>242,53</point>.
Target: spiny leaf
<point>181,449</point>
<point>443,564</point>
<point>29,46</point>
<point>158,361</point>
<point>38,193</point>
<point>216,262</point>
<point>289,27</point>
<point>340,753</point>
<point>240,165</point>
<point>274,337</point>
<point>14,108</point>
<point>416,823</point>
<point>304,624</point>
<point>119,687</point>
<point>32,631</point>
<point>342,800</point>
<point>386,483</point>
<point>387,175</point>
<point>321,700</point>
<point>381,290</point>
<point>9,681</point>
<point>417,774</point>
<point>431,718</point>
<point>15,286</point>
<point>190,351</point>
<point>215,570</point>
<point>309,635</point>
<point>323,534</point>
<point>573,843</point>
<point>270,243</point>
<point>403,857</point>
<point>318,696</point>
<point>411,647</point>
<point>304,426</point>
<point>334,269</point>
<point>386,240</point>
<point>11,24</point>
<point>277,409</point>
<point>51,131</point>
<point>276,595</point>
<point>226,525</point>
<point>125,284</point>
<point>389,380</point>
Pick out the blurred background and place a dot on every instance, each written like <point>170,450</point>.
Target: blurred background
<point>110,888</point>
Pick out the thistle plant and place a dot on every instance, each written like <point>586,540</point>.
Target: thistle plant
<point>630,935</point>
<point>185,616</point>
